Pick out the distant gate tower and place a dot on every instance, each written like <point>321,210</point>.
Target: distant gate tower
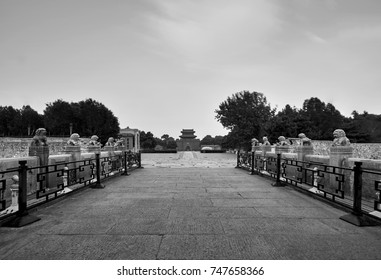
<point>188,141</point>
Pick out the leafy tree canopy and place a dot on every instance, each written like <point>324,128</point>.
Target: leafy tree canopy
<point>147,140</point>
<point>209,140</point>
<point>19,122</point>
<point>246,114</point>
<point>87,117</point>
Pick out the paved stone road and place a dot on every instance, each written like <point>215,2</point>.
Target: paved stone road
<point>189,159</point>
<point>190,213</point>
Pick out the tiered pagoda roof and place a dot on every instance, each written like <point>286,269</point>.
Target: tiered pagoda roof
<point>188,134</point>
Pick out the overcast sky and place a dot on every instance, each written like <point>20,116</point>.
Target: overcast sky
<point>165,65</point>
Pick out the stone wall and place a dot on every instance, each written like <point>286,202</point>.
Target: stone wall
<point>360,150</point>
<point>188,144</point>
<point>19,147</point>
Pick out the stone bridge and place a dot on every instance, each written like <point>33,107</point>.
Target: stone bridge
<point>208,210</point>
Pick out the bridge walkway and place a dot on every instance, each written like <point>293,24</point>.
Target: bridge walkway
<point>190,213</point>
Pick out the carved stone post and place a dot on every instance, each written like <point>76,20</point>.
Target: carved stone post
<point>42,152</point>
<point>254,145</point>
<point>265,149</point>
<point>110,150</point>
<point>339,156</point>
<point>39,148</point>
<point>111,155</point>
<point>302,151</point>
<point>340,152</point>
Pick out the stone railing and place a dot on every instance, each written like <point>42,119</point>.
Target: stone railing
<point>29,181</point>
<point>339,177</point>
<point>360,150</point>
<point>19,147</point>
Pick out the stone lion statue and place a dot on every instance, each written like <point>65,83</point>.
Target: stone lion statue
<point>39,138</point>
<point>110,142</point>
<point>266,141</point>
<point>119,143</point>
<point>94,141</point>
<point>74,140</point>
<point>254,142</point>
<point>282,141</point>
<point>304,140</point>
<point>340,139</point>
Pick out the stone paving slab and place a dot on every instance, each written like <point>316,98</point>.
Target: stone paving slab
<point>94,247</point>
<point>296,212</point>
<point>94,226</point>
<point>186,195</point>
<point>118,213</point>
<point>198,202</point>
<point>140,226</point>
<point>253,247</point>
<point>327,247</point>
<point>195,226</point>
<point>190,213</point>
<point>215,212</point>
<point>234,203</point>
<point>194,247</point>
<point>262,225</point>
<point>267,195</point>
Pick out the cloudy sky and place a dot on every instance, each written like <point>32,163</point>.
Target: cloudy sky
<point>165,65</point>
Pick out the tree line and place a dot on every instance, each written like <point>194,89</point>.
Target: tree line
<point>87,117</point>
<point>149,142</point>
<point>248,114</point>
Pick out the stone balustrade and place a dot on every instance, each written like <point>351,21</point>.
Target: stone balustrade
<point>324,167</point>
<point>60,173</point>
<point>354,183</point>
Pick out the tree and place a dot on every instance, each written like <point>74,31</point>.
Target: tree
<point>218,140</point>
<point>288,123</point>
<point>88,117</point>
<point>15,122</point>
<point>31,120</point>
<point>324,118</point>
<point>207,140</point>
<point>147,140</point>
<point>363,128</point>
<point>160,142</point>
<point>10,121</point>
<point>163,141</point>
<point>92,117</point>
<point>231,141</point>
<point>246,115</point>
<point>58,116</point>
<point>167,142</point>
<point>171,144</point>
